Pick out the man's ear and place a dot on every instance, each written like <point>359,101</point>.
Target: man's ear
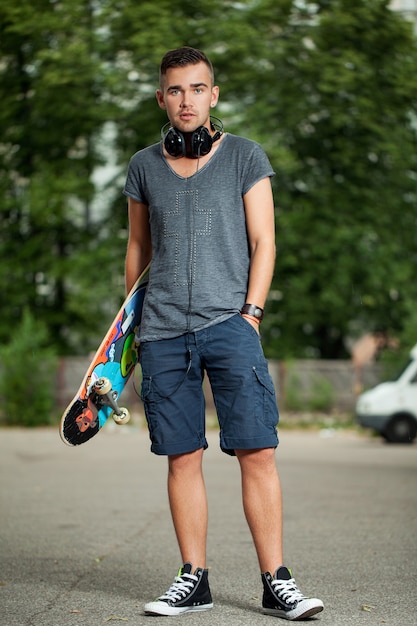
<point>160,99</point>
<point>215,92</point>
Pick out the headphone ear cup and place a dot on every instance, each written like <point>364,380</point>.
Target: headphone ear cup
<point>194,144</point>
<point>201,142</point>
<point>174,143</point>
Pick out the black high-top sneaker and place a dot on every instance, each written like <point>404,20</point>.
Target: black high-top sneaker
<point>188,592</point>
<point>282,597</point>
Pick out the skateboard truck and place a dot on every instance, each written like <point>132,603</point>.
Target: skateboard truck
<point>103,388</point>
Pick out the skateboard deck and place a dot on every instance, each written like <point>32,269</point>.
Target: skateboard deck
<point>108,373</point>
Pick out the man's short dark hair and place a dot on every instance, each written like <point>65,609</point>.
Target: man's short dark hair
<point>180,57</point>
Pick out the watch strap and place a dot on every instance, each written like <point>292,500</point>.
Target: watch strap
<point>253,311</point>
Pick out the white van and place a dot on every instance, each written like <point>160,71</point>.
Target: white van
<point>391,408</point>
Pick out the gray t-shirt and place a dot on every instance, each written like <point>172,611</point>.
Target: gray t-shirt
<point>200,252</point>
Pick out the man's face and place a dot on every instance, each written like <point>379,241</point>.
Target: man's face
<point>187,96</point>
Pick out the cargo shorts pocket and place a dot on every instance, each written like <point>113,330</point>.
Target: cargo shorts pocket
<point>267,409</point>
<point>146,387</point>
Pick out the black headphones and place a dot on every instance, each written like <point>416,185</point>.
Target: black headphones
<point>200,140</point>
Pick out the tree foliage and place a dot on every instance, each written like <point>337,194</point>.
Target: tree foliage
<point>51,88</point>
<point>328,88</point>
<point>347,101</point>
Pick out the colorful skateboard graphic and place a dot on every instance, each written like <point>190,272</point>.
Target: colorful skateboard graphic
<point>109,371</point>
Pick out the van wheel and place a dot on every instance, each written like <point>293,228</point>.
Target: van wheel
<point>401,428</point>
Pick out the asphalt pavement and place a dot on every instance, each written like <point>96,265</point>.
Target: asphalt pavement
<point>86,536</point>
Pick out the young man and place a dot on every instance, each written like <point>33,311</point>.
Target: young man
<point>201,209</point>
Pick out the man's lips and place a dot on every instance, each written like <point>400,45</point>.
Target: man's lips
<point>186,116</point>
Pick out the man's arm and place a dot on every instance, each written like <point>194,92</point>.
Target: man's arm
<point>139,247</point>
<point>260,223</point>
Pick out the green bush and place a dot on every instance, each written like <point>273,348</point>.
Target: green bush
<point>27,375</point>
<point>294,397</point>
<point>321,395</point>
<point>318,394</point>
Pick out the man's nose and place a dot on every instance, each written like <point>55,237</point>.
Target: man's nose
<point>185,100</point>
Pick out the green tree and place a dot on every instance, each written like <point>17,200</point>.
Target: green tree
<point>51,116</point>
<point>344,99</point>
<point>328,88</point>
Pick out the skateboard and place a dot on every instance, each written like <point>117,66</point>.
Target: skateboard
<point>97,398</point>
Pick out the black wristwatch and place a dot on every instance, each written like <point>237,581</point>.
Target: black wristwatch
<point>253,311</point>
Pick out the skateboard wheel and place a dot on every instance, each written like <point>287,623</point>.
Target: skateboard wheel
<point>102,386</point>
<point>122,418</point>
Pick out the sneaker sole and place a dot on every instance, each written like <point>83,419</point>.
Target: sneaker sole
<point>155,608</point>
<point>301,612</point>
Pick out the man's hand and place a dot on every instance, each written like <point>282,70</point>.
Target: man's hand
<point>252,321</point>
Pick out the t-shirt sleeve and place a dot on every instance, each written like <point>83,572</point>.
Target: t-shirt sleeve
<point>133,186</point>
<point>257,167</point>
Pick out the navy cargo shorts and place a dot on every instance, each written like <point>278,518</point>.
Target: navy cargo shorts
<point>231,354</point>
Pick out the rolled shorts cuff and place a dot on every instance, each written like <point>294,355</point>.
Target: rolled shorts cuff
<point>183,447</point>
<point>230,444</point>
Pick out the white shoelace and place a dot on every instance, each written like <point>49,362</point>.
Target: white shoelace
<point>287,590</point>
<point>180,587</point>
